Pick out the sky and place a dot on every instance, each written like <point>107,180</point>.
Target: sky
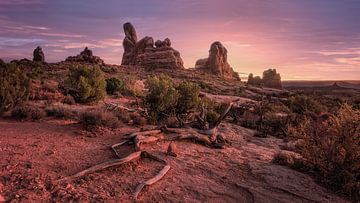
<point>302,39</point>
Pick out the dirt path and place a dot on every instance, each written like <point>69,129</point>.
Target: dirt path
<point>33,155</point>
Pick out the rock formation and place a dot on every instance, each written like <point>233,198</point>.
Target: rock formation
<point>2,63</point>
<point>86,56</point>
<point>147,53</point>
<point>272,79</point>
<point>38,55</point>
<point>217,62</point>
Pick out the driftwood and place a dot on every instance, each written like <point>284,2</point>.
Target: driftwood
<point>107,164</point>
<point>151,181</point>
<point>113,106</point>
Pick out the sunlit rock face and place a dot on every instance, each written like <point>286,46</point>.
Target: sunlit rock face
<point>86,56</point>
<point>147,53</point>
<point>38,55</point>
<point>217,63</point>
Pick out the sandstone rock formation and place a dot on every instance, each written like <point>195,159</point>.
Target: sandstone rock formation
<point>270,79</point>
<point>147,53</point>
<point>217,62</point>
<point>38,55</point>
<point>86,56</point>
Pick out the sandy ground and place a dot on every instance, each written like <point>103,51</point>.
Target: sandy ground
<point>34,155</point>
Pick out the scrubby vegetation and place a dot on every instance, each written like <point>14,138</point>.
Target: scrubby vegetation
<point>15,86</point>
<point>302,104</point>
<point>84,84</point>
<point>59,112</point>
<point>27,113</point>
<point>332,149</point>
<point>114,85</point>
<point>126,86</point>
<point>165,99</point>
<point>98,118</point>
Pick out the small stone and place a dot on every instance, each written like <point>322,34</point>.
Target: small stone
<point>172,150</point>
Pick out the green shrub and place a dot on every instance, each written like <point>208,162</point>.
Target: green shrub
<point>165,99</point>
<point>301,104</point>
<point>59,112</point>
<point>189,100</point>
<point>85,85</point>
<point>114,85</point>
<point>96,118</point>
<point>332,149</point>
<point>161,99</point>
<point>27,113</point>
<point>15,86</point>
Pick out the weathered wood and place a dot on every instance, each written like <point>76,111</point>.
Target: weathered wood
<point>151,181</point>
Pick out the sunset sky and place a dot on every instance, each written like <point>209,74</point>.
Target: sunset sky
<point>302,39</point>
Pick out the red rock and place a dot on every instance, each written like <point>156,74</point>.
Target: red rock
<point>147,54</point>
<point>217,63</point>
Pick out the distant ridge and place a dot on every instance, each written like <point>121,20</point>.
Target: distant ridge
<point>323,84</point>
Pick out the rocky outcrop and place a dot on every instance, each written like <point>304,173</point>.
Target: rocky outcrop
<point>147,53</point>
<point>86,56</point>
<point>272,79</point>
<point>38,55</point>
<point>217,63</point>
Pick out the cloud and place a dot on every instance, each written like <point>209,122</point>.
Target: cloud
<point>19,2</point>
<point>7,41</point>
<point>237,44</point>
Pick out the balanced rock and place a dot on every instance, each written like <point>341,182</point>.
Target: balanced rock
<point>147,53</point>
<point>39,55</point>
<point>86,56</point>
<point>217,63</point>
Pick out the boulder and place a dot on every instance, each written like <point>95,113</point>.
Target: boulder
<point>86,56</point>
<point>149,54</point>
<point>217,63</point>
<point>38,55</point>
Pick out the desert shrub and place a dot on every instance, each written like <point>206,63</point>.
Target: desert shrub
<point>84,84</point>
<point>59,112</point>
<point>270,119</point>
<point>124,85</point>
<point>189,100</point>
<point>137,119</point>
<point>68,99</point>
<point>165,99</point>
<point>114,85</point>
<point>123,116</point>
<point>97,118</point>
<point>212,110</point>
<point>302,104</point>
<point>37,73</point>
<point>133,87</point>
<point>161,99</point>
<point>332,149</point>
<point>275,124</point>
<point>27,113</point>
<point>15,86</point>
